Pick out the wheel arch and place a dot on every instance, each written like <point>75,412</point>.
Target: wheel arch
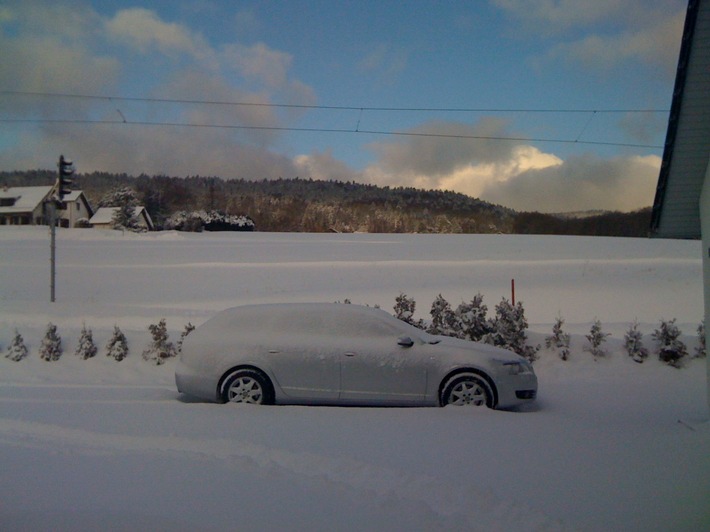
<point>267,379</point>
<point>461,371</point>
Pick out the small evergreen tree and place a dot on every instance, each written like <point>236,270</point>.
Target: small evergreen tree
<point>671,348</point>
<point>117,346</point>
<point>51,347</point>
<point>633,343</point>
<point>443,319</point>
<point>404,308</point>
<point>507,330</point>
<point>17,350</point>
<point>558,339</point>
<point>86,347</point>
<point>700,351</point>
<point>472,322</point>
<point>188,329</point>
<point>160,348</point>
<point>596,338</point>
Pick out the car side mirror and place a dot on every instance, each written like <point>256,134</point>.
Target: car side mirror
<point>405,341</point>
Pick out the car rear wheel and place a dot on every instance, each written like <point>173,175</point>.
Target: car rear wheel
<point>247,386</point>
<point>467,389</point>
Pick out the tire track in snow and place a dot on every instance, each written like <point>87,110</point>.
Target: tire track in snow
<point>454,499</point>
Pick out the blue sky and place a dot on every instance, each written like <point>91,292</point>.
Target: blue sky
<point>459,78</point>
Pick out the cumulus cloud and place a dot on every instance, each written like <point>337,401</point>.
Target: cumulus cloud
<point>96,57</point>
<point>613,32</point>
<point>143,30</point>
<point>513,173</point>
<point>581,183</point>
<point>323,166</point>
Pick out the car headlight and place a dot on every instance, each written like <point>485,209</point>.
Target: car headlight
<point>518,368</point>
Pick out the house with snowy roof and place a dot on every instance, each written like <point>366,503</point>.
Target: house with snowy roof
<point>27,206</point>
<point>103,218</point>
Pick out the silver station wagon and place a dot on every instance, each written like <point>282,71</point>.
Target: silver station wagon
<point>342,354</point>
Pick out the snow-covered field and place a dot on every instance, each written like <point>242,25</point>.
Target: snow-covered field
<point>97,444</point>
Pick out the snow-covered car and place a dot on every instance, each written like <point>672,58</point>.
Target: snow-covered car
<point>332,353</point>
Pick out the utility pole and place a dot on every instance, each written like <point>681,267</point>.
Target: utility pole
<point>56,201</point>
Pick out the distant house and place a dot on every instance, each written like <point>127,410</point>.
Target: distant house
<point>23,205</point>
<point>26,206</point>
<point>77,208</point>
<point>103,218</point>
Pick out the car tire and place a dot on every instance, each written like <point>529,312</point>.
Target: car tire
<point>247,386</point>
<point>467,389</point>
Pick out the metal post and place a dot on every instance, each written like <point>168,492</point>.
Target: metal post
<point>53,237</point>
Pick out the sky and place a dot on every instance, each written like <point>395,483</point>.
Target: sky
<point>537,105</point>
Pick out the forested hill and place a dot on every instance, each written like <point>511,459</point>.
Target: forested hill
<point>319,206</point>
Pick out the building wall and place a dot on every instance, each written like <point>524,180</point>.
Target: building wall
<point>705,231</point>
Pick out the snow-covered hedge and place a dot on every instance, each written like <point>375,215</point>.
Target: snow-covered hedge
<point>209,221</point>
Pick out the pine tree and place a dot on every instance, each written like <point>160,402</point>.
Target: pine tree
<point>86,347</point>
<point>404,308</point>
<point>17,350</point>
<point>472,322</point>
<point>633,344</point>
<point>188,329</point>
<point>507,330</point>
<point>160,348</point>
<point>51,347</point>
<point>443,320</point>
<point>559,340</point>
<point>700,351</point>
<point>117,346</point>
<point>671,348</point>
<point>596,338</point>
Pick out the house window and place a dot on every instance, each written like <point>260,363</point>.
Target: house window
<point>78,207</point>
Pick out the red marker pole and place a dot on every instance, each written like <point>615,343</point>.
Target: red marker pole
<point>512,289</point>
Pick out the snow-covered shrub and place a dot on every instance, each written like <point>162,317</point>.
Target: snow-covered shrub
<point>160,348</point>
<point>86,347</point>
<point>82,223</point>
<point>671,348</point>
<point>443,319</point>
<point>51,347</point>
<point>404,308</point>
<point>188,329</point>
<point>700,351</point>
<point>633,344</point>
<point>596,338</point>
<point>17,350</point>
<point>472,320</point>
<point>507,330</point>
<point>559,339</point>
<point>117,346</point>
<point>196,221</point>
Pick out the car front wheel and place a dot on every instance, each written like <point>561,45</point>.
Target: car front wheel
<point>467,390</point>
<point>247,386</point>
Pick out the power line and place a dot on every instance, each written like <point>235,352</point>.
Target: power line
<point>324,107</point>
<point>326,130</point>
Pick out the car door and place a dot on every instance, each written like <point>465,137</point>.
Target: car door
<point>376,369</point>
<point>305,366</point>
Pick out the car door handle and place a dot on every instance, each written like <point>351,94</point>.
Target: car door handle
<point>350,354</point>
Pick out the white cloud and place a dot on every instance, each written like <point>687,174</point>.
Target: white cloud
<point>514,174</point>
<point>603,33</point>
<point>144,31</point>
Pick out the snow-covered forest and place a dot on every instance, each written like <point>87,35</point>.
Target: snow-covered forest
<point>617,439</point>
<point>305,205</point>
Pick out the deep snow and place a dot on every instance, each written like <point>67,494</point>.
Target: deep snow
<point>96,444</point>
